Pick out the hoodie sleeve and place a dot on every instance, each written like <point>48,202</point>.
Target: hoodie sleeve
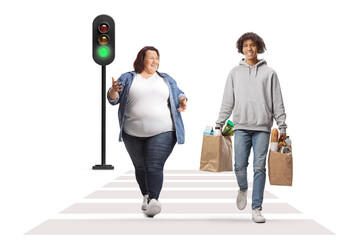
<point>228,100</point>
<point>278,104</point>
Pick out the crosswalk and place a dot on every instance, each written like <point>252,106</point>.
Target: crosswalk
<point>193,203</point>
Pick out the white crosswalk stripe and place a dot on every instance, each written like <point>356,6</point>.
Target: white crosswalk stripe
<point>190,198</point>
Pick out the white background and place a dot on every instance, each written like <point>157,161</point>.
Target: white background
<point>50,96</point>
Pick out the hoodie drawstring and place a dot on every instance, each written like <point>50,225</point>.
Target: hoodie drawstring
<point>256,71</point>
<point>256,66</point>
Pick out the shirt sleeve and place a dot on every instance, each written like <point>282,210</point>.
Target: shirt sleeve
<point>113,101</point>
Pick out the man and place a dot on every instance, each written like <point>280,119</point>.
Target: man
<point>253,95</point>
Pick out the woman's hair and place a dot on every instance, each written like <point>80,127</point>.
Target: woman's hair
<point>139,61</point>
<point>253,36</point>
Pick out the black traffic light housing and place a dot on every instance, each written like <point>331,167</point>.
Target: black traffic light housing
<point>103,40</point>
<point>103,54</point>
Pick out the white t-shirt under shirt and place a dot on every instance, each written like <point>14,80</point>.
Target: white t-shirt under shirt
<point>147,111</point>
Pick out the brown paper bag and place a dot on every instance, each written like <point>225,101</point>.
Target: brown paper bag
<point>280,168</point>
<point>216,154</point>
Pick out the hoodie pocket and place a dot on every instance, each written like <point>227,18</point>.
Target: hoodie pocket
<point>252,113</point>
<point>268,114</point>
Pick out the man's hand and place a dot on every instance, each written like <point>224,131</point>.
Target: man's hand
<point>183,104</point>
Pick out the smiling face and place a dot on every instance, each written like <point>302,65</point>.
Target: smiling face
<point>151,62</point>
<point>250,49</point>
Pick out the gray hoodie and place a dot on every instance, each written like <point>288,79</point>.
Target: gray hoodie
<point>253,95</point>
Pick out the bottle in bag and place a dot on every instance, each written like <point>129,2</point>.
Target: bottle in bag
<point>217,131</point>
<point>288,141</point>
<point>229,129</point>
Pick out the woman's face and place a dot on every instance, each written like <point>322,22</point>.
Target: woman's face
<point>250,49</point>
<point>151,62</point>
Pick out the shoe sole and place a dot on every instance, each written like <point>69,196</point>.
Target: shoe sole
<point>240,208</point>
<point>153,211</point>
<point>262,221</point>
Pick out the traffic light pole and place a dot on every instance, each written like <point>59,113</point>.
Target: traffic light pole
<point>103,165</point>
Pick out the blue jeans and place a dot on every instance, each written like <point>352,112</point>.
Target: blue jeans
<point>148,155</point>
<point>244,140</point>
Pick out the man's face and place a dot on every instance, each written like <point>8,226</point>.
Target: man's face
<point>151,61</point>
<point>250,49</point>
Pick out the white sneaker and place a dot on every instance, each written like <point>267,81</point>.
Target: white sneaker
<point>257,217</point>
<point>241,199</point>
<point>145,202</point>
<point>153,208</point>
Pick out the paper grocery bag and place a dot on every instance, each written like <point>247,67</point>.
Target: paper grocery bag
<point>280,168</point>
<point>216,154</point>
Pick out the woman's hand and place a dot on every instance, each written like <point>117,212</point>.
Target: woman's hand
<point>183,104</point>
<point>116,86</point>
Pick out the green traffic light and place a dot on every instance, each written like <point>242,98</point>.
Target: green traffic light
<point>104,52</point>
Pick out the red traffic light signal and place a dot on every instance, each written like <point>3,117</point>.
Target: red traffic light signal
<point>103,40</point>
<point>104,28</point>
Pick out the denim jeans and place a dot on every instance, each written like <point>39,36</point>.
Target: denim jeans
<point>244,140</point>
<point>148,155</point>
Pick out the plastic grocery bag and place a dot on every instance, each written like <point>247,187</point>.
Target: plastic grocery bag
<point>216,154</point>
<point>280,168</point>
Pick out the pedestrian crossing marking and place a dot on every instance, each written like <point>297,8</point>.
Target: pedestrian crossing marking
<point>201,203</point>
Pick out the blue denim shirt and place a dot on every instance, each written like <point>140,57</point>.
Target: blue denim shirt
<point>126,80</point>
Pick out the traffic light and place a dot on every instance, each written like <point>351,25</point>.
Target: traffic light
<point>103,54</point>
<point>103,40</point>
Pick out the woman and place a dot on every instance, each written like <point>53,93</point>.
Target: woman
<point>253,96</point>
<point>150,122</point>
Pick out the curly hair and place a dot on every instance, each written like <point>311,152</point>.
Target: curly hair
<point>139,61</point>
<point>253,36</point>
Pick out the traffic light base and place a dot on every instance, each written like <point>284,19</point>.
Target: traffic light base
<point>103,167</point>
